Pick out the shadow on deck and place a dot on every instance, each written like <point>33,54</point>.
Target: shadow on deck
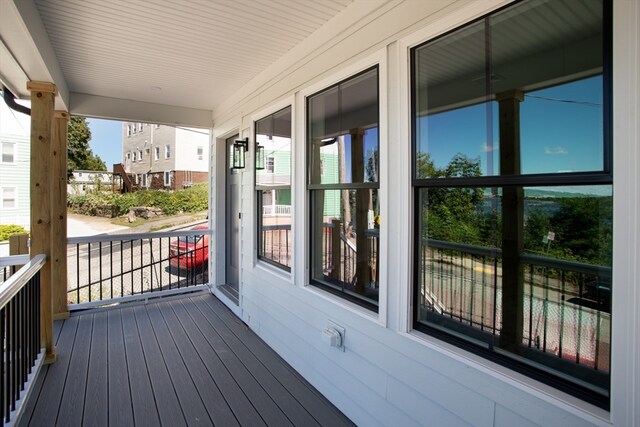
<point>179,361</point>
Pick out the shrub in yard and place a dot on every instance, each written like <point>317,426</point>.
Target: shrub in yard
<point>194,199</point>
<point>7,231</point>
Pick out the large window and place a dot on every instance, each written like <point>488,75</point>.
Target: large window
<point>273,187</point>
<point>343,166</point>
<point>513,191</point>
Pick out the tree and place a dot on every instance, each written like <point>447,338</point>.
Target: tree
<point>80,155</point>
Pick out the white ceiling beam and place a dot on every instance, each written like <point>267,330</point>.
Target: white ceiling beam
<point>136,111</point>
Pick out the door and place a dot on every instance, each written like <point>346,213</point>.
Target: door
<point>233,193</point>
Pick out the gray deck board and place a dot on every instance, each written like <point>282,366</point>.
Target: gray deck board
<point>46,408</point>
<point>167,403</point>
<point>188,396</point>
<point>178,361</point>
<point>143,404</point>
<point>277,392</point>
<point>72,403</point>
<point>269,411</point>
<point>239,403</point>
<point>317,405</point>
<point>95,412</point>
<point>120,412</point>
<point>217,407</point>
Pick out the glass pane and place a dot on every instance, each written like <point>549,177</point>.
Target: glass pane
<point>347,159</point>
<point>275,240</point>
<point>520,92</point>
<point>343,132</point>
<point>346,243</point>
<point>274,134</point>
<point>529,278</point>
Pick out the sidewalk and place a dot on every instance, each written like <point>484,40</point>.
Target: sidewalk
<point>83,225</point>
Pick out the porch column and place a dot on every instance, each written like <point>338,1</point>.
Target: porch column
<point>59,215</point>
<point>42,102</point>
<point>512,222</point>
<point>363,201</point>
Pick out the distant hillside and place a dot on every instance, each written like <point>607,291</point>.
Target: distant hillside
<point>536,193</point>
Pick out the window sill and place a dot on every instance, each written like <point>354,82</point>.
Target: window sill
<point>345,304</point>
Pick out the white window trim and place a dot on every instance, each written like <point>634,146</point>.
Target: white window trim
<point>156,153</point>
<point>167,151</point>
<point>378,58</point>
<point>167,182</point>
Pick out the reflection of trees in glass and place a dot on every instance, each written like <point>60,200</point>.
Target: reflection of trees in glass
<point>452,213</point>
<point>583,228</point>
<point>583,225</point>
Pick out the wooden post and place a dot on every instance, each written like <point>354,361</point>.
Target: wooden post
<point>336,249</point>
<point>42,102</point>
<point>18,245</point>
<point>512,222</point>
<point>59,215</point>
<point>363,200</point>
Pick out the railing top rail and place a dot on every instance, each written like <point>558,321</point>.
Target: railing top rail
<point>136,236</point>
<point>11,260</point>
<point>542,261</point>
<point>17,281</point>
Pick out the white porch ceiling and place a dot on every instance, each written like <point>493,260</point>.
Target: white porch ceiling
<point>188,54</point>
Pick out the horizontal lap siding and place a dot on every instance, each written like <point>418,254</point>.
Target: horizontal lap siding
<point>384,377</point>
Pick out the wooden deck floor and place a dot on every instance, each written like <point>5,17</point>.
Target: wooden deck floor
<point>181,361</point>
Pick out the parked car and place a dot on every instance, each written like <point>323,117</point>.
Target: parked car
<point>190,252</point>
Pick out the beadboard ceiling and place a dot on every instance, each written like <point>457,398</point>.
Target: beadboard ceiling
<point>182,53</point>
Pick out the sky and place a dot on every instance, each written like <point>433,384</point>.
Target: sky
<point>106,140</point>
<point>560,129</point>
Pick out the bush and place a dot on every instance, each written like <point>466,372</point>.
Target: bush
<point>194,199</point>
<point>9,230</point>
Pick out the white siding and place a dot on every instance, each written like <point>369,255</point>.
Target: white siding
<point>388,374</point>
<point>15,128</point>
<point>186,154</point>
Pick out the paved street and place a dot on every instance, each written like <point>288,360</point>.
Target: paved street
<point>110,269</point>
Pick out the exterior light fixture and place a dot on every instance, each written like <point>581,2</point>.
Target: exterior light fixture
<point>259,157</point>
<point>240,147</point>
<point>327,141</point>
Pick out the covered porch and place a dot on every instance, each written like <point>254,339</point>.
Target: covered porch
<point>181,360</point>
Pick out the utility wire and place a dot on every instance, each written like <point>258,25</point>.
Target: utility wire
<point>567,101</point>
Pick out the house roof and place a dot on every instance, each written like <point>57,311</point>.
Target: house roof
<point>164,61</point>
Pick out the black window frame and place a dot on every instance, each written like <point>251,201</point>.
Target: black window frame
<point>603,177</point>
<point>374,307</point>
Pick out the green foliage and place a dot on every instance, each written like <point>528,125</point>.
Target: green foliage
<point>7,231</point>
<point>80,156</point>
<point>582,225</point>
<point>194,199</point>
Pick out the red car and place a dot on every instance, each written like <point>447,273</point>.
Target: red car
<point>189,252</point>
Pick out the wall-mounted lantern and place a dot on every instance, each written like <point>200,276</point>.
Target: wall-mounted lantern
<point>259,157</point>
<point>240,147</point>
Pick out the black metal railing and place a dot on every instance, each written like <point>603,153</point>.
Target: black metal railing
<point>565,307</point>
<point>276,243</point>
<point>340,262</point>
<point>20,329</point>
<point>108,267</point>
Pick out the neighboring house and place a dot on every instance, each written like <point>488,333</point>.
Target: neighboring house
<point>86,181</point>
<point>164,157</point>
<point>14,167</point>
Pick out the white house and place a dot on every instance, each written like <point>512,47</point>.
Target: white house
<point>14,167</point>
<point>473,259</point>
